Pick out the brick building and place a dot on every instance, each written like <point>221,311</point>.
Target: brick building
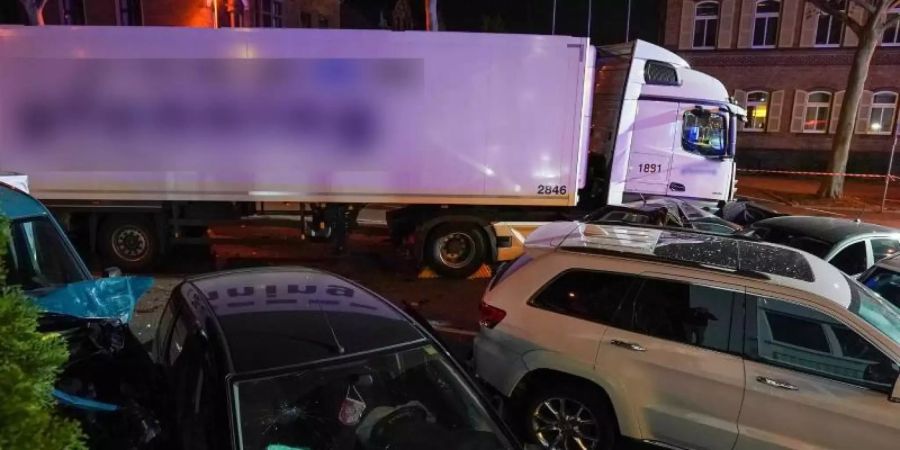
<point>196,13</point>
<point>788,64</point>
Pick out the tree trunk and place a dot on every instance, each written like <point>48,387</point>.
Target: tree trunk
<point>35,11</point>
<point>833,186</point>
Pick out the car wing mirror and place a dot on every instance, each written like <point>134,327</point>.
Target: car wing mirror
<point>895,392</point>
<point>112,272</point>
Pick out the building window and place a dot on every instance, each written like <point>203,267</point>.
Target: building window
<point>323,21</point>
<point>765,25</point>
<point>130,12</point>
<point>818,106</point>
<point>884,107</point>
<point>757,110</point>
<point>892,34</point>
<point>72,12</point>
<point>270,13</point>
<point>829,29</point>
<point>305,20</point>
<point>706,22</point>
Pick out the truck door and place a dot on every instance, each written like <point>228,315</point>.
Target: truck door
<point>653,136</point>
<point>702,163</point>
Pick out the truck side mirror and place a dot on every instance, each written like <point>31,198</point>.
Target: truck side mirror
<point>112,272</point>
<point>895,392</point>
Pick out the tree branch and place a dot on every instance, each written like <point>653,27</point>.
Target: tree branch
<point>866,5</point>
<point>833,9</point>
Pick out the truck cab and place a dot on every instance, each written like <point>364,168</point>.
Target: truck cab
<point>664,128</point>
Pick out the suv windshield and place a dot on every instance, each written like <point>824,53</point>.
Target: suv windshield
<point>875,310</point>
<point>400,400</point>
<point>38,259</point>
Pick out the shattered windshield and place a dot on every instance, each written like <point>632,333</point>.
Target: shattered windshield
<point>38,260</point>
<point>410,399</point>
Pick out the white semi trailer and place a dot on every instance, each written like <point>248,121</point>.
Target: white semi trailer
<point>138,137</point>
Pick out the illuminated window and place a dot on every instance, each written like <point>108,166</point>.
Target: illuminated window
<point>829,29</point>
<point>706,22</point>
<point>765,26</point>
<point>892,34</point>
<point>884,107</point>
<point>757,110</point>
<point>818,106</point>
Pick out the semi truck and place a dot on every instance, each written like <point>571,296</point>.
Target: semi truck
<point>138,138</point>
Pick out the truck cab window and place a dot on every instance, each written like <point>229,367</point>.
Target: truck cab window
<point>703,132</point>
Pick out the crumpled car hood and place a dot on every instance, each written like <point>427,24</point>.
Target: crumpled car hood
<point>104,298</point>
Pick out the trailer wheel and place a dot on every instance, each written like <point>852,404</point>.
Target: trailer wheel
<point>456,250</point>
<point>130,243</point>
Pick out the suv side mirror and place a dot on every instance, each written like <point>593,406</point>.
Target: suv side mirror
<point>895,392</point>
<point>112,272</point>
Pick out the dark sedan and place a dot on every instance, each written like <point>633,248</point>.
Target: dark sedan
<point>293,358</point>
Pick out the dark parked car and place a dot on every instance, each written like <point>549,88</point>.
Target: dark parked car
<point>849,245</point>
<point>293,358</point>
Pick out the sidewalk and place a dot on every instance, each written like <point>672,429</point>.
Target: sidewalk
<point>797,195</point>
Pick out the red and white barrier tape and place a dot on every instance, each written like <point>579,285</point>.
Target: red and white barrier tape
<point>790,172</point>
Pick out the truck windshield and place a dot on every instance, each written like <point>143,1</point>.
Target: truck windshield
<point>405,399</point>
<point>704,133</point>
<point>38,259</point>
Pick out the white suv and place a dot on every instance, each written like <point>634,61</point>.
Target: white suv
<point>688,340</point>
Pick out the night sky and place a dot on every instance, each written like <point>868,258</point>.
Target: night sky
<point>507,16</point>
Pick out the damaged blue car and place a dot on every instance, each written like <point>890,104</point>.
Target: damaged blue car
<point>109,383</point>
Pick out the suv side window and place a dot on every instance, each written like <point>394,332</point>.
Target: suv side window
<point>594,296</point>
<point>852,260</point>
<point>686,313</point>
<point>798,338</point>
<point>882,248</point>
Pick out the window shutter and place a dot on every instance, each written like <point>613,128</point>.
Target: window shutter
<point>857,12</point>
<point>865,111</point>
<point>776,101</point>
<point>726,23</point>
<point>745,25</point>
<point>686,38</point>
<point>740,97</point>
<point>836,111</point>
<point>799,113</point>
<point>788,20</point>
<point>809,24</point>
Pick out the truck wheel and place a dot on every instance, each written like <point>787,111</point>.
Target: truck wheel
<point>456,250</point>
<point>567,416</point>
<point>129,243</point>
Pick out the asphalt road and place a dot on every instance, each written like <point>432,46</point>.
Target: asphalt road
<point>371,260</point>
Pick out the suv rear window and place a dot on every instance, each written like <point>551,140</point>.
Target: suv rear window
<point>589,295</point>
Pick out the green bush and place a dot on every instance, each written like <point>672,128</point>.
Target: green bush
<point>29,364</point>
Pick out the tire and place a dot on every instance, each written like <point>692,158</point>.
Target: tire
<point>455,249</point>
<point>580,404</point>
<point>129,242</point>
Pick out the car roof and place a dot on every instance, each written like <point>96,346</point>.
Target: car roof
<point>16,204</point>
<point>828,229</point>
<point>775,264</point>
<point>286,316</point>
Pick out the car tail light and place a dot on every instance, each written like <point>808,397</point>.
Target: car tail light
<point>491,315</point>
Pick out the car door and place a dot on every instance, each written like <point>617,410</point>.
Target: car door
<point>701,166</point>
<point>813,382</point>
<point>671,351</point>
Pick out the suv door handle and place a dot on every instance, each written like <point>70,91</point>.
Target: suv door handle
<point>628,345</point>
<point>777,384</point>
